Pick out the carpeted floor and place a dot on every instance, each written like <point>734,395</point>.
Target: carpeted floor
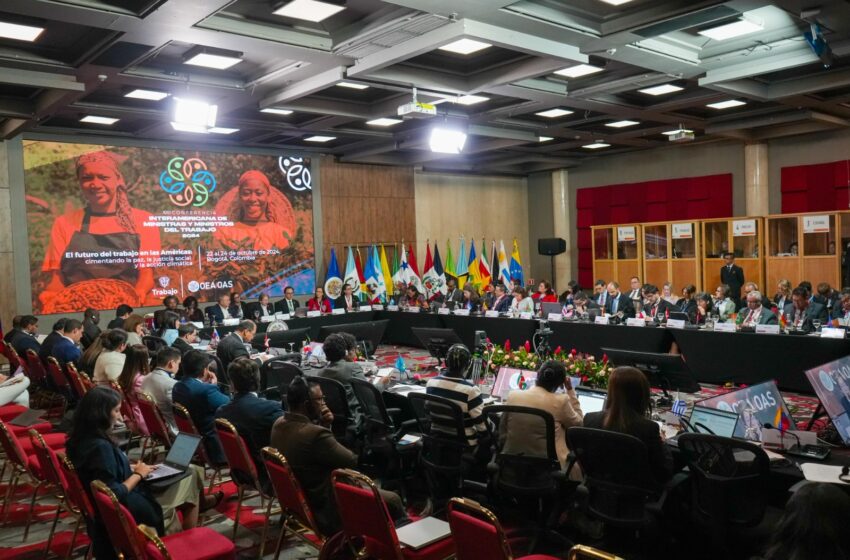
<point>251,517</point>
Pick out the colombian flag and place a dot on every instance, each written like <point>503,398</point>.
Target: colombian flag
<point>781,421</point>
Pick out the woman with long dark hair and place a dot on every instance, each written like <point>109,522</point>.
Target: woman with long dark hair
<point>168,327</point>
<point>814,526</point>
<point>95,456</point>
<point>627,411</point>
<point>136,367</point>
<point>191,311</point>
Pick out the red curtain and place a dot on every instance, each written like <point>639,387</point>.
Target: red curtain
<point>815,188</point>
<point>688,198</point>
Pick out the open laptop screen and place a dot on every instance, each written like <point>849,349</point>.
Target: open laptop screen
<point>590,401</point>
<point>182,450</point>
<point>720,422</point>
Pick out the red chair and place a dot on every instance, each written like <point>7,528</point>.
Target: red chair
<point>37,373</point>
<point>243,471</point>
<point>11,411</point>
<point>12,356</point>
<point>48,462</point>
<point>23,465</point>
<point>158,430</point>
<point>75,494</point>
<point>478,534</point>
<point>185,424</point>
<point>296,512</point>
<point>364,514</point>
<point>77,380</point>
<point>136,544</point>
<point>57,376</point>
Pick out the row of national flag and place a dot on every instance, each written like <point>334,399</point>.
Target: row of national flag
<point>376,278</point>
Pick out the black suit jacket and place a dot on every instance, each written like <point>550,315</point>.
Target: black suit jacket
<point>663,307</point>
<point>90,333</point>
<point>181,345</point>
<point>339,303</point>
<point>23,341</point>
<point>281,306</point>
<point>503,306</point>
<point>813,311</point>
<point>253,418</point>
<point>734,278</point>
<point>660,457</point>
<point>231,347</point>
<point>689,306</point>
<point>47,345</point>
<point>116,323</point>
<point>624,304</point>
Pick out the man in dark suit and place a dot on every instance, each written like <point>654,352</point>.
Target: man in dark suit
<point>753,287</point>
<point>121,313</point>
<point>198,391</point>
<point>67,348</point>
<point>453,297</point>
<point>617,302</point>
<point>220,311</point>
<point>235,345</point>
<point>733,276</point>
<point>252,416</point>
<point>755,313</point>
<point>341,370</point>
<point>303,437</point>
<point>25,339</point>
<point>260,308</point>
<point>91,318</point>
<point>287,304</point>
<point>501,301</point>
<point>656,307</point>
<point>16,324</point>
<point>51,339</point>
<point>347,300</point>
<point>802,312</point>
<point>600,292</point>
<point>187,335</point>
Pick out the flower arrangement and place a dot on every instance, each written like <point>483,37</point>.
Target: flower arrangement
<point>593,373</point>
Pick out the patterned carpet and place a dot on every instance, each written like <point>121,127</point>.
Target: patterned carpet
<point>251,517</point>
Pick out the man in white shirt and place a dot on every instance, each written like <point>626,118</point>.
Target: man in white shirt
<point>159,382</point>
<point>635,285</point>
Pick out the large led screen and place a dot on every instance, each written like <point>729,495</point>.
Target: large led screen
<point>111,224</point>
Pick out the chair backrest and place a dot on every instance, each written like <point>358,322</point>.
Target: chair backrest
<point>371,404</point>
<point>57,374</point>
<point>288,490</point>
<point>12,356</point>
<point>12,448</point>
<point>729,477</point>
<point>364,514</point>
<point>522,472</point>
<point>155,548</point>
<point>278,373</point>
<point>444,438</point>
<point>617,472</point>
<point>119,523</point>
<point>337,401</point>
<point>584,552</point>
<point>184,423</point>
<point>153,418</point>
<point>37,373</point>
<point>477,532</point>
<point>126,407</point>
<point>75,380</point>
<point>236,452</point>
<point>47,461</point>
<point>154,343</point>
<point>73,488</point>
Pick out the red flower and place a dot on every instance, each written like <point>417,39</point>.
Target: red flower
<point>743,385</point>
<point>527,346</point>
<point>573,352</point>
<point>584,379</point>
<point>604,358</point>
<point>507,346</point>
<point>558,350</point>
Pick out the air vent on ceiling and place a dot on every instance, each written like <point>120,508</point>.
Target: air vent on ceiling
<point>122,54</point>
<point>389,35</point>
<point>686,21</point>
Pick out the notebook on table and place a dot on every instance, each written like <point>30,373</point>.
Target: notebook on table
<point>423,532</point>
<point>178,459</point>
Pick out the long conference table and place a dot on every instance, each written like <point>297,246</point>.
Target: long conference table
<point>712,357</point>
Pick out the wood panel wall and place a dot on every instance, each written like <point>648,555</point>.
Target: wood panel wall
<point>365,204</point>
<point>491,207</point>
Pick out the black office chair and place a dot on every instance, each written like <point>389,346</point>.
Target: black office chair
<point>383,454</point>
<point>154,344</point>
<point>535,481</point>
<point>444,454</point>
<point>344,426</point>
<point>729,487</point>
<point>275,376</point>
<point>618,483</point>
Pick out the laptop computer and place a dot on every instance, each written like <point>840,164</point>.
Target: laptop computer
<point>508,380</point>
<point>551,307</point>
<point>591,401</point>
<point>707,420</point>
<point>178,459</point>
<point>423,532</point>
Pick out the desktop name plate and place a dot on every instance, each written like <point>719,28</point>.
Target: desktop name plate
<point>491,313</point>
<point>413,309</point>
<point>338,311</point>
<point>315,313</point>
<point>675,323</point>
<point>635,322</point>
<point>767,329</point>
<point>724,327</point>
<point>555,317</point>
<point>829,332</point>
<point>601,320</point>
<point>365,308</point>
<point>444,311</point>
<point>526,315</point>
<point>462,312</point>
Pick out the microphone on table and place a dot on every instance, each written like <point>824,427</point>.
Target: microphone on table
<point>782,433</point>
<point>818,452</point>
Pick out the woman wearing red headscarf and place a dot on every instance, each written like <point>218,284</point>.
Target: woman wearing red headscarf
<point>107,224</point>
<point>262,216</point>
